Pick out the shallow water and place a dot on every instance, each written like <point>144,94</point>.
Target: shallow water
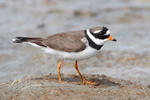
<point>128,20</point>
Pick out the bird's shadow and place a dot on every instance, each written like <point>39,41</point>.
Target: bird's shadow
<point>100,80</point>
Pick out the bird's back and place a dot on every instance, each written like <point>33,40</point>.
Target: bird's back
<point>67,41</point>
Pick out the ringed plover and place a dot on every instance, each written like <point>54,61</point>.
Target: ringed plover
<point>74,45</point>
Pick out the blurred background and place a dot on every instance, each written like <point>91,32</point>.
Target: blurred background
<point>128,20</point>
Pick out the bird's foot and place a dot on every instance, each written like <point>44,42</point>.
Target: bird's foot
<point>89,82</point>
<point>59,80</point>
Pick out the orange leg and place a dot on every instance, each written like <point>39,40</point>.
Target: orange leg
<point>58,67</point>
<point>83,79</point>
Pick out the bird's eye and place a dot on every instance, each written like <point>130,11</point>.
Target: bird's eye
<point>108,35</point>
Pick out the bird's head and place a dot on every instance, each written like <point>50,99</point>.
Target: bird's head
<point>102,34</point>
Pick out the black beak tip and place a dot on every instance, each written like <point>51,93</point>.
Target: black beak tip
<point>114,40</point>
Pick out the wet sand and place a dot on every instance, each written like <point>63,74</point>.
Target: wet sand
<point>126,59</point>
<point>48,88</point>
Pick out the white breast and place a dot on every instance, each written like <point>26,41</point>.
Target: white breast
<point>88,52</point>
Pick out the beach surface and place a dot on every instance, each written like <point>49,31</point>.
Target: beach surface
<point>128,58</point>
<point>48,88</point>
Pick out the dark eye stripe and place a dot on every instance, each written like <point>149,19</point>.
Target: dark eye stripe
<point>103,36</point>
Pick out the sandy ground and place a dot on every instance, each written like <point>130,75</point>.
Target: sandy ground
<point>126,59</point>
<point>47,88</point>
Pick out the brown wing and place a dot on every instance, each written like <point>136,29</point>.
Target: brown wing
<point>68,41</point>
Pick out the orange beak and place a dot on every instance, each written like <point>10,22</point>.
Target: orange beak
<point>111,38</point>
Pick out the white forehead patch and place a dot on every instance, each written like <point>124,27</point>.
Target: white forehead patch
<point>108,32</point>
<point>97,31</point>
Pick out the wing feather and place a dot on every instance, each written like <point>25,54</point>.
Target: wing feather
<point>68,41</point>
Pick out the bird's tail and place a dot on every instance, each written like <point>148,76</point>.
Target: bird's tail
<point>37,41</point>
<point>25,39</point>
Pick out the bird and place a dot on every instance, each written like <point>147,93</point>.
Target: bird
<point>71,45</point>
